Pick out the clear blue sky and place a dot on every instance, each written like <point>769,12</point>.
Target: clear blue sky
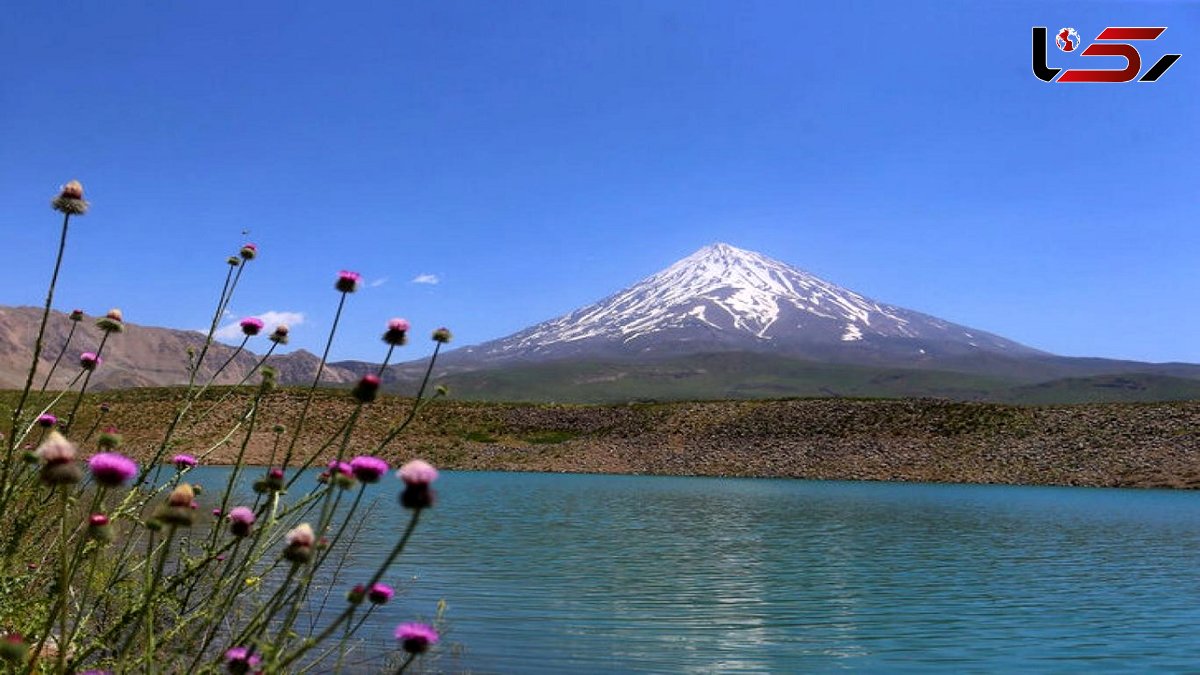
<point>537,156</point>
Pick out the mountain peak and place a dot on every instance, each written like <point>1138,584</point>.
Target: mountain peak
<point>723,298</point>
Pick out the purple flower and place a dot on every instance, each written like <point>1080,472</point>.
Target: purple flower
<point>396,333</point>
<point>97,520</point>
<point>240,660</point>
<point>90,360</point>
<point>339,467</point>
<point>347,282</point>
<point>251,326</point>
<point>46,420</point>
<point>379,594</point>
<point>368,469</point>
<point>416,638</point>
<point>367,388</point>
<point>216,513</point>
<point>111,469</point>
<point>240,520</point>
<point>182,462</point>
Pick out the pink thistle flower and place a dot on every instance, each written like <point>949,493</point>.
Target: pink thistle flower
<point>110,469</point>
<point>46,420</point>
<point>248,252</point>
<point>300,541</point>
<point>97,520</point>
<point>347,282</point>
<point>56,449</point>
<point>416,638</point>
<point>239,660</point>
<point>396,333</point>
<point>182,496</point>
<point>379,594</point>
<point>251,326</point>
<point>275,474</point>
<point>240,520</point>
<point>301,535</point>
<point>216,513</point>
<point>182,462</point>
<point>367,388</point>
<point>90,360</point>
<point>417,475</point>
<point>368,469</point>
<point>72,190</point>
<point>179,507</point>
<point>417,472</point>
<point>340,467</point>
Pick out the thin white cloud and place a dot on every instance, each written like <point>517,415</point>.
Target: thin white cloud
<point>431,279</point>
<point>378,282</point>
<point>272,318</point>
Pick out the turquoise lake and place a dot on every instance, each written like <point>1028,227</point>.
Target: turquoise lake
<point>550,573</point>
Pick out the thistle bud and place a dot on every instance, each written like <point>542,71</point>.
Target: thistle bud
<point>299,544</point>
<point>13,649</point>
<point>347,282</point>
<point>58,455</point>
<point>248,252</point>
<point>367,388</point>
<point>70,199</point>
<point>396,333</point>
<point>179,507</point>
<point>441,335</point>
<point>90,360</point>
<point>112,322</point>
<point>98,528</point>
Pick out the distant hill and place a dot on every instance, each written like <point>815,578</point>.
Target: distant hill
<point>142,356</point>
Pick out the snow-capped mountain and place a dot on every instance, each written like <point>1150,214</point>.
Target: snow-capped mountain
<point>722,298</point>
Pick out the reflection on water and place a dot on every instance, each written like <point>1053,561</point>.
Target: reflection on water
<point>552,573</point>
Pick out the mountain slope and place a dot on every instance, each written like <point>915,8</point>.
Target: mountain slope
<point>722,298</point>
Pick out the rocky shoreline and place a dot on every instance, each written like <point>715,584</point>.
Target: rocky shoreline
<point>1101,445</point>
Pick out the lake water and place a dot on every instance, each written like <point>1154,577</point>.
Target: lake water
<point>574,573</point>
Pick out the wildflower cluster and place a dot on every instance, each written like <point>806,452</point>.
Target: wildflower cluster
<point>116,565</point>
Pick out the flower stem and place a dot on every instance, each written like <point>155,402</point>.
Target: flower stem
<point>287,456</point>
<point>86,379</point>
<point>61,352</point>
